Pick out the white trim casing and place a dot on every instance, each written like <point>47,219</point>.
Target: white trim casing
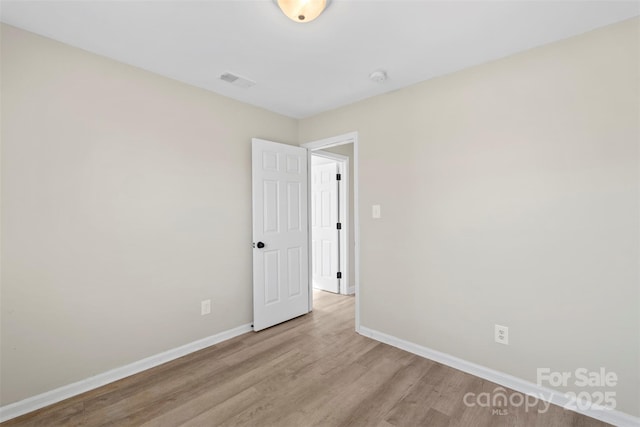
<point>309,231</point>
<point>347,138</point>
<point>558,398</point>
<point>33,403</point>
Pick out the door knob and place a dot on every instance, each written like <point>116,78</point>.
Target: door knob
<point>260,245</point>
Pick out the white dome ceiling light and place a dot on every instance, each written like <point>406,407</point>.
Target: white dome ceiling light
<point>302,10</point>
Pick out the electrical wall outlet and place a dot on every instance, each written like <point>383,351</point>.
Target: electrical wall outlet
<point>205,307</point>
<point>502,334</point>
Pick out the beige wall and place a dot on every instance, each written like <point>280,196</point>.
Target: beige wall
<point>509,195</point>
<point>126,200</point>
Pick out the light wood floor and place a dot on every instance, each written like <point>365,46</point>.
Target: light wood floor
<point>311,371</point>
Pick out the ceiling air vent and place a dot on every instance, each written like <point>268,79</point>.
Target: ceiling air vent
<point>236,80</point>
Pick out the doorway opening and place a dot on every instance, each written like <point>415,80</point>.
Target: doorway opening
<point>330,222</point>
<point>338,153</point>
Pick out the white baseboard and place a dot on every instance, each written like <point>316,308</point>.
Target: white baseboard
<point>50,397</point>
<point>610,416</point>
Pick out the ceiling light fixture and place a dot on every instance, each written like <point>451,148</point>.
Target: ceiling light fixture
<point>302,10</point>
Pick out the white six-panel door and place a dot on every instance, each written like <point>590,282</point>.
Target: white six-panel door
<point>280,233</point>
<point>324,218</point>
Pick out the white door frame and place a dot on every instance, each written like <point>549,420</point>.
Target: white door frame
<point>347,138</point>
<point>343,169</point>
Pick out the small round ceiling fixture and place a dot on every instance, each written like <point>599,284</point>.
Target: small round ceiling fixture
<point>378,76</point>
<point>302,10</point>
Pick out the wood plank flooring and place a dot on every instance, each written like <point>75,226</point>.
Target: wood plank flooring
<point>311,371</point>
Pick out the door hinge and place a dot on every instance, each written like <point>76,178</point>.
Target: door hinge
<point>339,226</point>
<point>339,275</point>
<point>338,177</point>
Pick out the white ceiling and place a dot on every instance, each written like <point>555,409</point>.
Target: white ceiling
<point>304,69</point>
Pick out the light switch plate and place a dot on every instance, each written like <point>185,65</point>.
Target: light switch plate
<point>205,307</point>
<point>375,211</point>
